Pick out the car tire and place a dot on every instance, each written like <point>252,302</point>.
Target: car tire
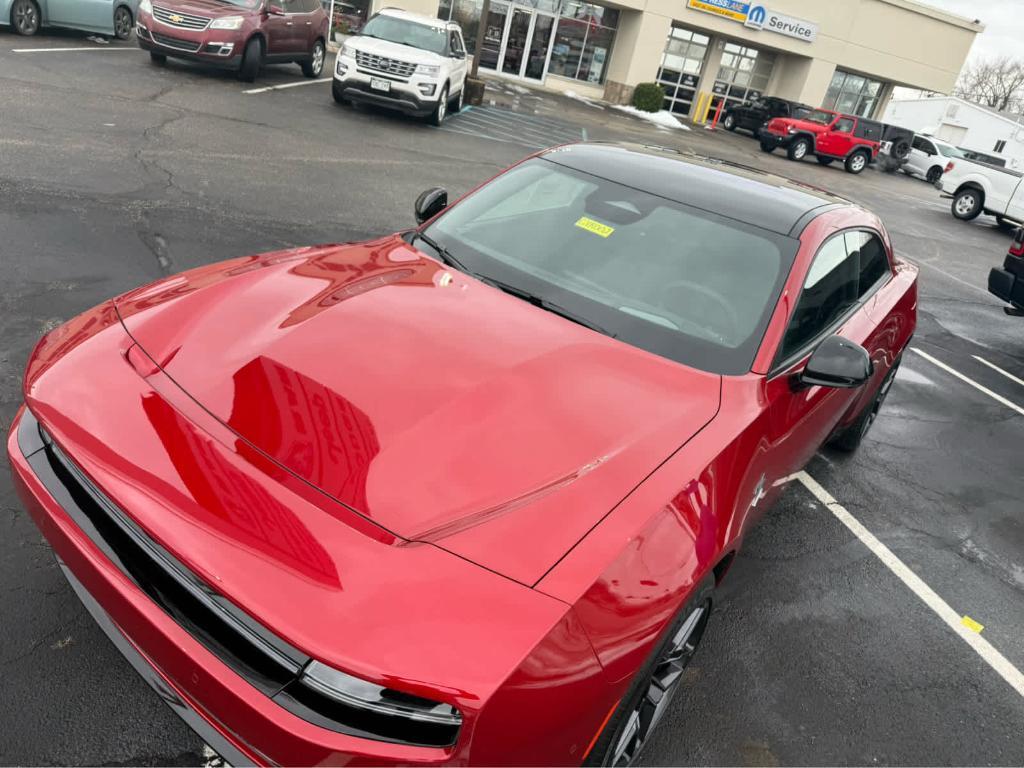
<point>628,727</point>
<point>857,162</point>
<point>967,203</point>
<point>798,149</point>
<point>824,160</point>
<point>315,65</point>
<point>850,438</point>
<point>252,60</point>
<point>157,58</point>
<point>729,121</point>
<point>934,174</point>
<point>441,110</point>
<point>25,17</point>
<point>336,92</point>
<point>767,146</point>
<point>123,22</point>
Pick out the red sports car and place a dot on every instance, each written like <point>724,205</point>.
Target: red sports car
<point>461,494</point>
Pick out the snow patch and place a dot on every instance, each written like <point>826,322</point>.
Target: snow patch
<point>663,119</point>
<point>576,97</point>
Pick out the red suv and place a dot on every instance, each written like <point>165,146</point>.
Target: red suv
<point>238,34</point>
<point>827,135</point>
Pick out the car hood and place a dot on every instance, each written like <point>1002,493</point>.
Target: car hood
<point>388,49</point>
<point>430,403</point>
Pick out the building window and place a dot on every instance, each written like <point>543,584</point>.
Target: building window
<point>852,94</point>
<point>744,73</point>
<point>681,64</point>
<point>583,41</point>
<point>1000,146</point>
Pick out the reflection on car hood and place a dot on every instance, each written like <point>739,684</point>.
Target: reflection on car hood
<point>436,406</point>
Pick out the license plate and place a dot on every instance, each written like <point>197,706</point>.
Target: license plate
<point>380,85</point>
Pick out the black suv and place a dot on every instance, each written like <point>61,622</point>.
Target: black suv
<point>751,115</point>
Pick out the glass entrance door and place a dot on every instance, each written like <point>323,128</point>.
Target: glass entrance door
<point>525,43</point>
<point>494,33</point>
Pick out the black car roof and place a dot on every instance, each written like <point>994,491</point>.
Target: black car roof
<point>729,189</point>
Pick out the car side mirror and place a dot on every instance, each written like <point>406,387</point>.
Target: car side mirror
<point>275,10</point>
<point>430,203</point>
<point>459,55</point>
<point>837,362</point>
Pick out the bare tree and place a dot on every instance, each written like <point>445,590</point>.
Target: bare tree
<point>996,83</point>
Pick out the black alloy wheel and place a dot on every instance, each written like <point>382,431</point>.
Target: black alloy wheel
<point>25,17</point>
<point>123,23</point>
<point>654,687</point>
<point>850,438</point>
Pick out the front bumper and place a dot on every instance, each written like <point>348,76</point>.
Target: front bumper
<point>216,47</point>
<point>404,95</point>
<point>1008,283</point>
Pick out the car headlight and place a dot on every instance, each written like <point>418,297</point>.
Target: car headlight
<point>431,70</point>
<point>348,50</point>
<point>227,22</point>
<point>791,129</point>
<point>376,711</point>
<point>145,7</point>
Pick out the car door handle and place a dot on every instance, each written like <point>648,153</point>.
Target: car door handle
<point>309,23</point>
<point>289,24</point>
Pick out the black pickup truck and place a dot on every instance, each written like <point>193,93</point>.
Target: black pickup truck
<point>1008,283</point>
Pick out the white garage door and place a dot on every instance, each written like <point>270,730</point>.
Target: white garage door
<point>954,134</point>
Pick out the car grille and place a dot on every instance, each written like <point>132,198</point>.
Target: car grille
<point>265,660</point>
<point>180,20</point>
<point>175,42</point>
<point>384,65</point>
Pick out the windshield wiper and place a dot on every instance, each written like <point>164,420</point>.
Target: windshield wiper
<point>443,253</point>
<point>550,306</point>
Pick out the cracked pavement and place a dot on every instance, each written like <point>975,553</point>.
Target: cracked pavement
<point>114,173</point>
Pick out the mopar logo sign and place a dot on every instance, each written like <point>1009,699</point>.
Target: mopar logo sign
<point>755,17</point>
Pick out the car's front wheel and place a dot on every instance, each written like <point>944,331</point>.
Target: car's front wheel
<point>655,685</point>
<point>856,162</point>
<point>934,174</point>
<point>798,149</point>
<point>252,60</point>
<point>315,65</point>
<point>123,22</point>
<point>25,17</point>
<point>441,110</point>
<point>967,203</point>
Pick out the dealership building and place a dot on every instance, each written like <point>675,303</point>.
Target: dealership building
<point>846,55</point>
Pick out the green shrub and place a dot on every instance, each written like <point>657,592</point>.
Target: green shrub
<point>649,97</point>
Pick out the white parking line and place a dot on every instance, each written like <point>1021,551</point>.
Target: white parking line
<point>968,380</point>
<point>997,369</point>
<point>288,85</point>
<point>62,50</point>
<point>926,594</point>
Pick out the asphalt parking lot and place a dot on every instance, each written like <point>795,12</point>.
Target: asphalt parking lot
<point>113,173</point>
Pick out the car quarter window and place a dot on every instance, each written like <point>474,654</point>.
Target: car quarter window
<point>844,125</point>
<point>872,258</point>
<point>844,270</point>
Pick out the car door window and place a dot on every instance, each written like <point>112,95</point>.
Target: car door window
<point>830,289</point>
<point>923,145</point>
<point>872,259</point>
<point>843,125</point>
<point>455,43</point>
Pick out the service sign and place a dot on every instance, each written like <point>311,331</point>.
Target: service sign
<point>730,9</point>
<point>759,17</point>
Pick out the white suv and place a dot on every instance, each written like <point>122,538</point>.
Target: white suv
<point>404,61</point>
<point>928,157</point>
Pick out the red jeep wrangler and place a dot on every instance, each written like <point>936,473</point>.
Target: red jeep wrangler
<point>827,135</point>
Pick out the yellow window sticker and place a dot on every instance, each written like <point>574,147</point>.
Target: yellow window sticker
<point>602,230</point>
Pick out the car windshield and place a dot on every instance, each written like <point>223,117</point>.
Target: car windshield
<point>948,151</point>
<point>674,280</point>
<point>820,116</point>
<point>406,32</point>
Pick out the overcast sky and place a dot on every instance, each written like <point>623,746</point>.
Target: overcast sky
<point>1003,20</point>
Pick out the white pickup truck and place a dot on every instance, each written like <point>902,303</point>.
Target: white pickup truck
<point>978,188</point>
